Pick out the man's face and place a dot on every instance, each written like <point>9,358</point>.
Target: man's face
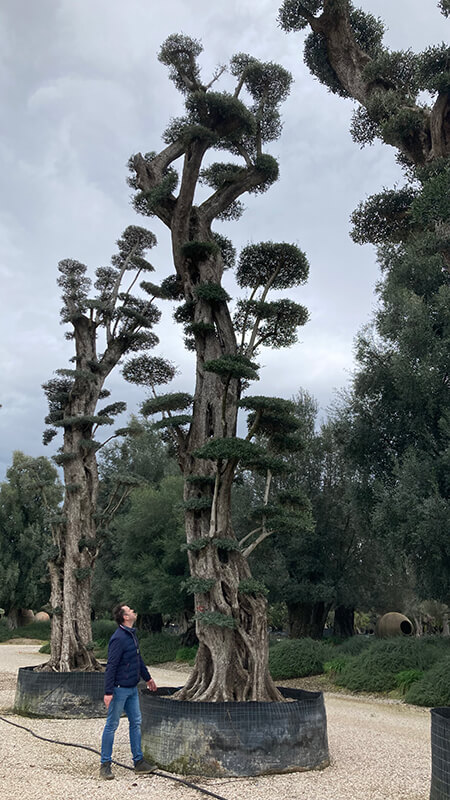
<point>129,616</point>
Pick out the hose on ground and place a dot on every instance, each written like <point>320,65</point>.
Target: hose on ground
<point>118,763</point>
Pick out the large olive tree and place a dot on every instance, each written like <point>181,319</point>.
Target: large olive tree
<point>230,608</point>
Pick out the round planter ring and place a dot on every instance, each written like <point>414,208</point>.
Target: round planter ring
<point>59,695</point>
<point>235,739</point>
<point>440,753</point>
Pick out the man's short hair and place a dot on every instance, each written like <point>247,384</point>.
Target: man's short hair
<point>117,613</point>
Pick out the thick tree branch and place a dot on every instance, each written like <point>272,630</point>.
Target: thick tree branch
<point>440,126</point>
<point>223,197</point>
<point>150,174</point>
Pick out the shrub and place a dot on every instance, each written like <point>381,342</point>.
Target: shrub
<point>156,648</point>
<point>45,649</point>
<point>354,646</point>
<point>186,654</point>
<point>374,670</point>
<point>102,630</point>
<point>434,688</point>
<point>296,658</point>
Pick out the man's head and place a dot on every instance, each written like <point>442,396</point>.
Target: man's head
<point>124,615</point>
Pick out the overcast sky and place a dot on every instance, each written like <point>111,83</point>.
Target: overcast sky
<point>81,90</point>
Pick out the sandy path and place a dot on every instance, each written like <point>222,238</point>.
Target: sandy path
<point>379,751</point>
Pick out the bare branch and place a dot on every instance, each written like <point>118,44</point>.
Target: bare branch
<point>247,536</point>
<point>212,523</point>
<point>248,550</point>
<point>218,73</point>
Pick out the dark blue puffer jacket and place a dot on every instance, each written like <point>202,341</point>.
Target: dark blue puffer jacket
<point>125,665</point>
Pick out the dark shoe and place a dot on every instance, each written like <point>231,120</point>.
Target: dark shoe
<point>105,771</point>
<point>143,766</point>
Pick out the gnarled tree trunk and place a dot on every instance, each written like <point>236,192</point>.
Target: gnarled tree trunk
<point>307,619</point>
<point>344,622</point>
<point>232,660</point>
<point>75,535</point>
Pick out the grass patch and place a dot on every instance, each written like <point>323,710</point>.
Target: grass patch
<point>335,666</point>
<point>405,679</point>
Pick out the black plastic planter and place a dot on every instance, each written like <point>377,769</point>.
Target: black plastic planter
<point>220,739</point>
<point>64,695</point>
<point>440,753</point>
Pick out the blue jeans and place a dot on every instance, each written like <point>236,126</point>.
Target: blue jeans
<point>124,699</point>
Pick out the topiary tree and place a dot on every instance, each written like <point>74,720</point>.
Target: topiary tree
<point>105,328</point>
<point>230,612</point>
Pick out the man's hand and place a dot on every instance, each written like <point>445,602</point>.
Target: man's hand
<point>151,685</point>
<point>107,699</point>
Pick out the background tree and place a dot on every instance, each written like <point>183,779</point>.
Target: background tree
<point>150,564</point>
<point>323,557</point>
<point>143,458</point>
<point>399,411</point>
<point>231,620</point>
<point>31,492</point>
<point>104,329</point>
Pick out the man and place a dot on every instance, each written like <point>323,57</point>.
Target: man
<point>123,670</point>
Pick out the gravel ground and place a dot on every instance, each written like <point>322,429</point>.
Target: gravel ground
<point>379,751</point>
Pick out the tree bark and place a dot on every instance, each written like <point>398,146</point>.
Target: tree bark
<point>344,622</point>
<point>307,619</point>
<point>12,619</point>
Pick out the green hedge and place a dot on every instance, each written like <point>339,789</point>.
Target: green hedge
<point>156,648</point>
<point>102,630</point>
<point>35,630</point>
<point>296,658</point>
<point>375,669</point>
